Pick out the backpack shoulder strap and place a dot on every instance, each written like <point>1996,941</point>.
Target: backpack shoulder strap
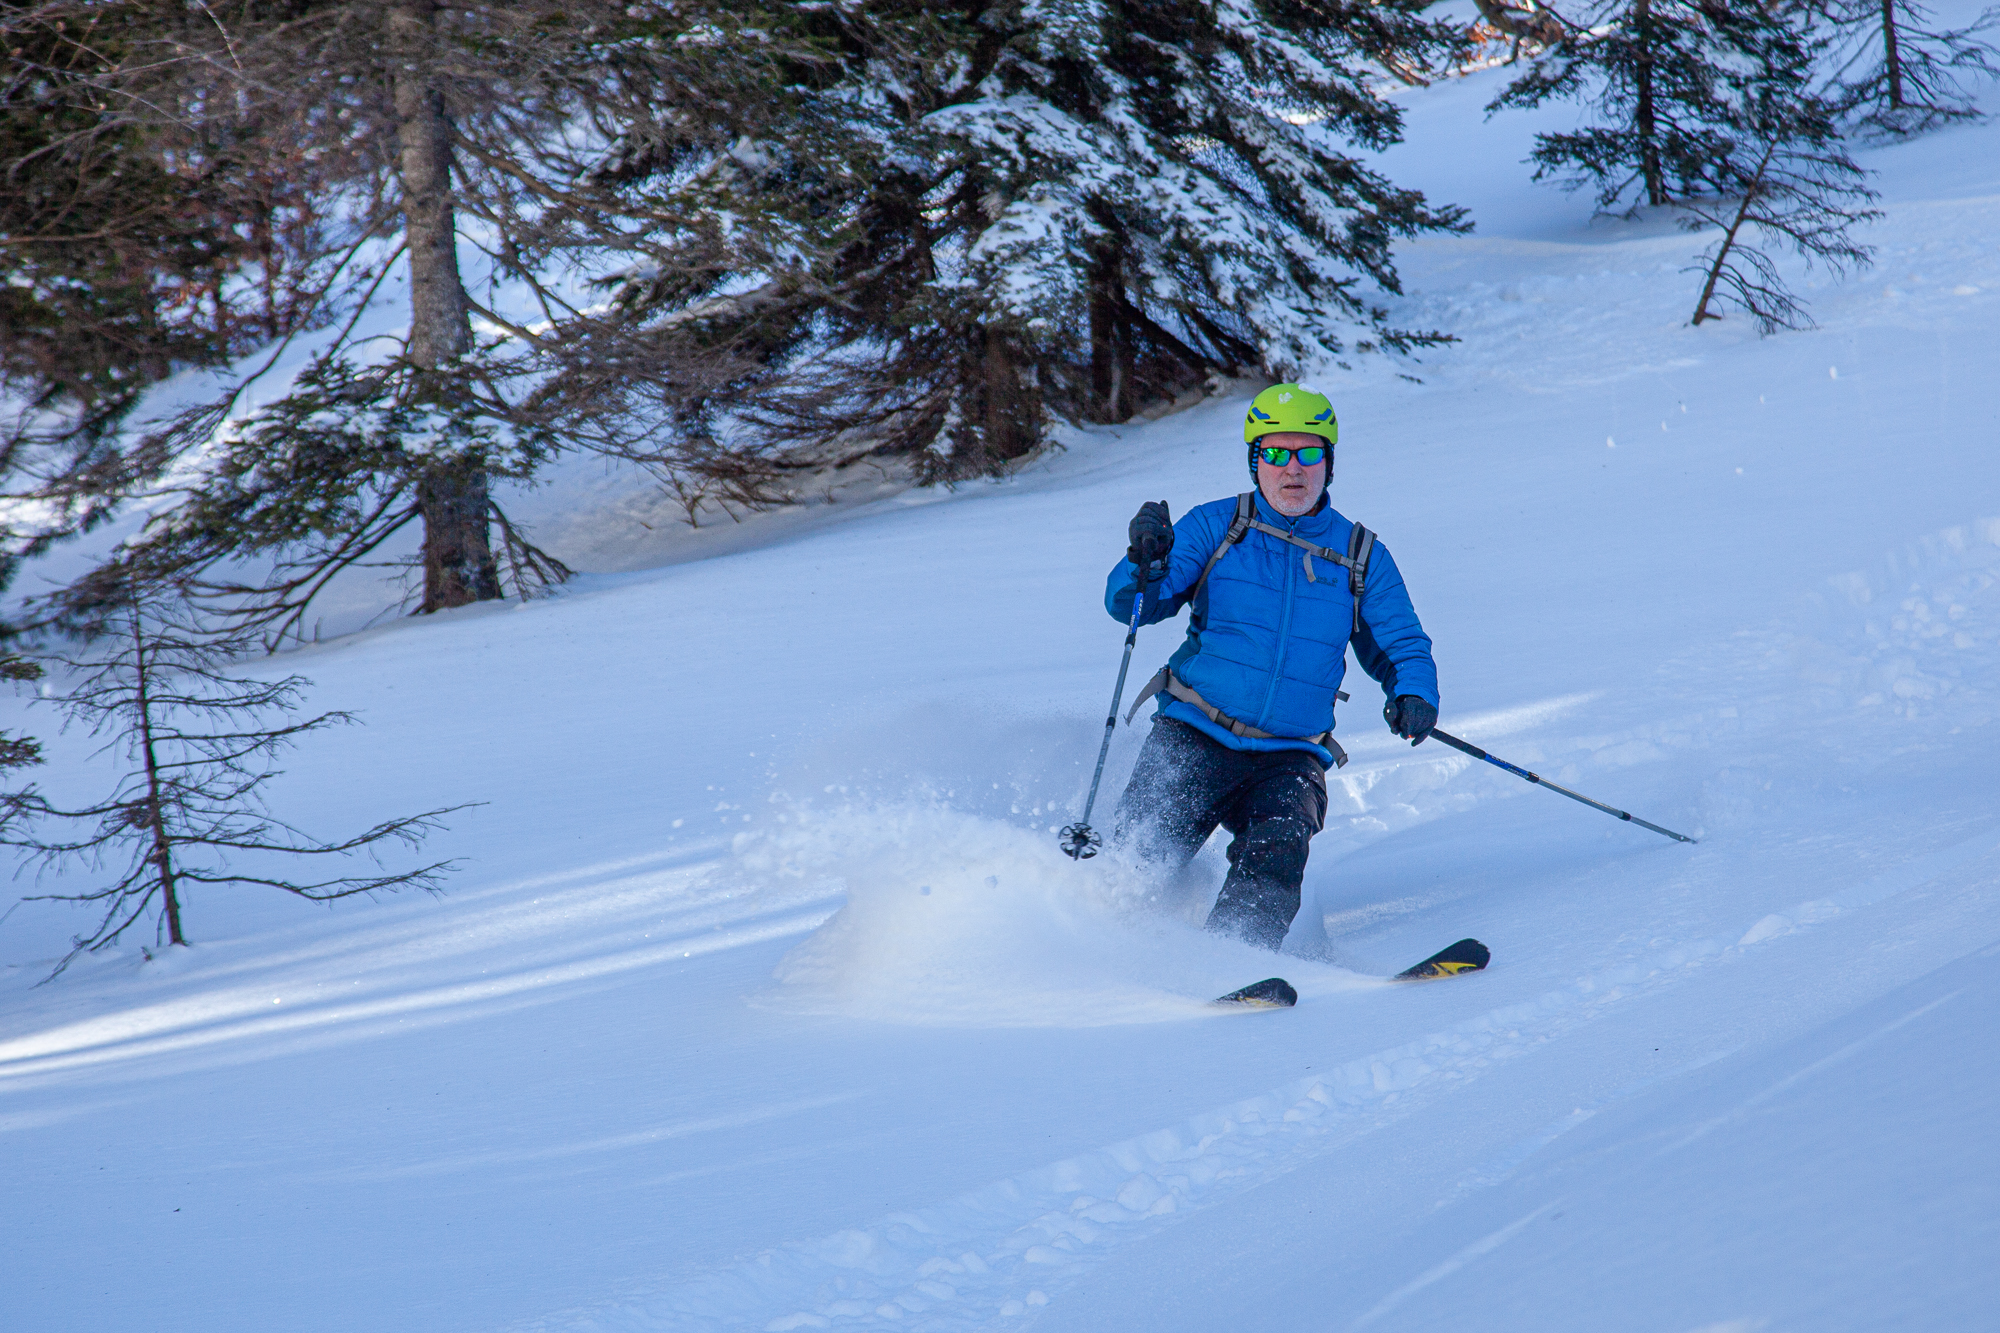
<point>1360,548</point>
<point>1245,508</point>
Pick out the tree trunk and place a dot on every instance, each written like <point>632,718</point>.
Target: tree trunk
<point>162,855</point>
<point>439,329</point>
<point>1644,124</point>
<point>452,493</point>
<point>1701,310</point>
<point>1008,429</point>
<point>1892,59</point>
<point>458,558</point>
<point>1110,344</point>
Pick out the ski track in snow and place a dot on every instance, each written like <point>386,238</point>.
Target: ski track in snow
<point>1009,1246</point>
<point>318,996</point>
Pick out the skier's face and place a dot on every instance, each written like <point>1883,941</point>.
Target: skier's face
<point>1294,488</point>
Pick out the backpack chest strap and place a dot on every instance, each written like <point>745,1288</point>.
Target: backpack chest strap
<point>1324,553</point>
<point>1360,547</point>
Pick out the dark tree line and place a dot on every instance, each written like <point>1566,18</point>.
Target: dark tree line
<point>118,248</point>
<point>736,242</point>
<point>1070,220</point>
<point>320,156</point>
<point>729,241</point>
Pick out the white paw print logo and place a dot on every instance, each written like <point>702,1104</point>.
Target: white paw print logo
<point>1284,398</point>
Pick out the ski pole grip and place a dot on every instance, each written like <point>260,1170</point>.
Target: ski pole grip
<point>1457,744</point>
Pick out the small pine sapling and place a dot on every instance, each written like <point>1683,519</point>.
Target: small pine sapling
<point>198,745</point>
<point>1803,191</point>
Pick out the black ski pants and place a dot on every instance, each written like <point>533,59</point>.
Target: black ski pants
<point>1272,802</point>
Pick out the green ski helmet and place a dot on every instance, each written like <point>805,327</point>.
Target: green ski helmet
<point>1290,407</point>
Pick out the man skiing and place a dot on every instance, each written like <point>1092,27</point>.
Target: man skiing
<point>1242,737</point>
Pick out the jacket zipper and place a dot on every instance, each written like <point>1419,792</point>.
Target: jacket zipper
<point>1284,638</point>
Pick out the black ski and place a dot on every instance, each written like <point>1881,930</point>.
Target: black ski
<point>1464,956</point>
<point>1277,993</point>
<point>1270,993</point>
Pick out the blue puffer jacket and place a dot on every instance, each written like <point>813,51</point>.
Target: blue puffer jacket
<point>1268,646</point>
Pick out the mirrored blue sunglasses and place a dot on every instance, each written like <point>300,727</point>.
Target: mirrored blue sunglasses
<point>1307,457</point>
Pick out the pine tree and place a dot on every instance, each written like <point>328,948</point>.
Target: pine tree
<point>187,812</point>
<point>1901,74</point>
<point>427,130</point>
<point>323,478</point>
<point>1025,213</point>
<point>1800,191</point>
<point>1666,77</point>
<point>1720,112</point>
<point>121,235</point>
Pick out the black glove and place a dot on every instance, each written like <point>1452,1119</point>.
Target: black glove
<point>1410,717</point>
<point>1152,533</point>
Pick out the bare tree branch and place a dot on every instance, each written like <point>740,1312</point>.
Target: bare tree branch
<point>190,799</point>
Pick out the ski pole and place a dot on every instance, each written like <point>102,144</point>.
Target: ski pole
<point>1477,753</point>
<point>1079,839</point>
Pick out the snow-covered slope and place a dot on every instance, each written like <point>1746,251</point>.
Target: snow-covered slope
<point>765,1001</point>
